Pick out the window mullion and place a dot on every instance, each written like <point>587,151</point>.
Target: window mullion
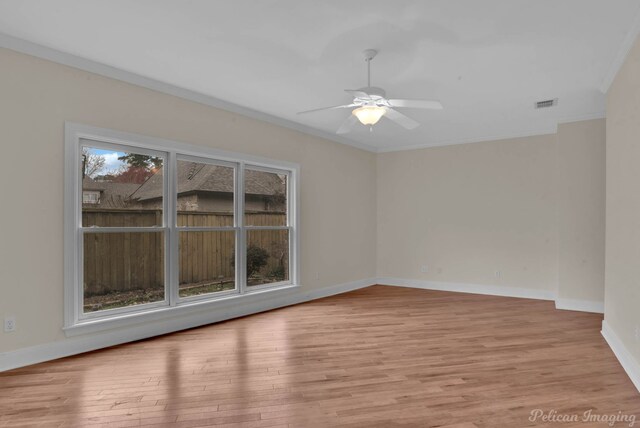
<point>292,223</point>
<point>171,256</point>
<point>204,229</point>
<point>267,227</point>
<point>132,229</point>
<point>241,238</point>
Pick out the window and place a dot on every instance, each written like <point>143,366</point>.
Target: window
<point>90,197</point>
<point>153,226</point>
<point>206,224</point>
<point>265,216</point>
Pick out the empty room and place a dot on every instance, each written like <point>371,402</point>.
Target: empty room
<point>295,213</point>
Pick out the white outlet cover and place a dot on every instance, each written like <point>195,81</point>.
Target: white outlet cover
<point>424,268</point>
<point>9,324</point>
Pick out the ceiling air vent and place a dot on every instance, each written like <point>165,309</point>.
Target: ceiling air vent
<point>547,103</point>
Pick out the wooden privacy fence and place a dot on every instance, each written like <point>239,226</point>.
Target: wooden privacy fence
<point>135,260</point>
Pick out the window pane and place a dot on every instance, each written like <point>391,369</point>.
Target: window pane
<point>267,256</point>
<point>265,198</point>
<point>122,269</point>
<point>207,262</point>
<point>205,194</point>
<point>121,189</point>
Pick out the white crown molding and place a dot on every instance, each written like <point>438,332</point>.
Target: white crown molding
<point>542,130</point>
<point>580,305</point>
<point>490,290</point>
<point>89,342</point>
<point>583,117</point>
<point>621,55</point>
<point>626,359</point>
<point>50,54</point>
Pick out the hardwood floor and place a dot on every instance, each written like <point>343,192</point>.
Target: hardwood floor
<point>377,357</point>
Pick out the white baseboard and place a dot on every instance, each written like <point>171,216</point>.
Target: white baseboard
<point>580,305</point>
<point>89,342</point>
<point>492,290</point>
<point>628,362</point>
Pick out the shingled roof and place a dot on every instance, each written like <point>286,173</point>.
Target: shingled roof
<point>193,176</point>
<point>112,195</point>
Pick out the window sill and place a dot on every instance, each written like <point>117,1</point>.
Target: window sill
<point>184,309</point>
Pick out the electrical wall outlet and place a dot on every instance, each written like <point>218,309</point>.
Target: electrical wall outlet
<point>9,324</point>
<point>498,274</point>
<point>424,268</point>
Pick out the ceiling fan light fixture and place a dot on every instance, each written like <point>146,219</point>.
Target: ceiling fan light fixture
<point>369,115</point>
<point>370,103</point>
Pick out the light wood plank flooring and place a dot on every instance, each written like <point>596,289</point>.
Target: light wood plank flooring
<point>377,357</point>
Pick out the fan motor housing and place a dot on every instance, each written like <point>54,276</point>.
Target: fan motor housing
<point>374,92</point>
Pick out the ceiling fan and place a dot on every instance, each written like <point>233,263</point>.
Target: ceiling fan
<point>370,104</point>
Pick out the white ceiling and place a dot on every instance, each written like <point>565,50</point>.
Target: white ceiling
<point>486,61</point>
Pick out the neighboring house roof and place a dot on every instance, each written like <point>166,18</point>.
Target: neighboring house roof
<point>112,195</point>
<point>193,176</point>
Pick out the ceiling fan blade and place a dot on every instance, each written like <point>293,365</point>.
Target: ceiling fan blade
<point>357,93</point>
<point>326,108</point>
<point>428,104</point>
<point>401,119</point>
<point>347,124</point>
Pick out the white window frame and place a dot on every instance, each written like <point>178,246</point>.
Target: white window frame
<point>235,228</point>
<point>287,226</point>
<point>76,321</point>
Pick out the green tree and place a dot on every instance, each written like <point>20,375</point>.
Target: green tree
<point>141,161</point>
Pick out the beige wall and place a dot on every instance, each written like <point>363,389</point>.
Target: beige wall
<point>531,208</point>
<point>622,273</point>
<point>38,96</point>
<point>581,210</point>
<point>470,210</point>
